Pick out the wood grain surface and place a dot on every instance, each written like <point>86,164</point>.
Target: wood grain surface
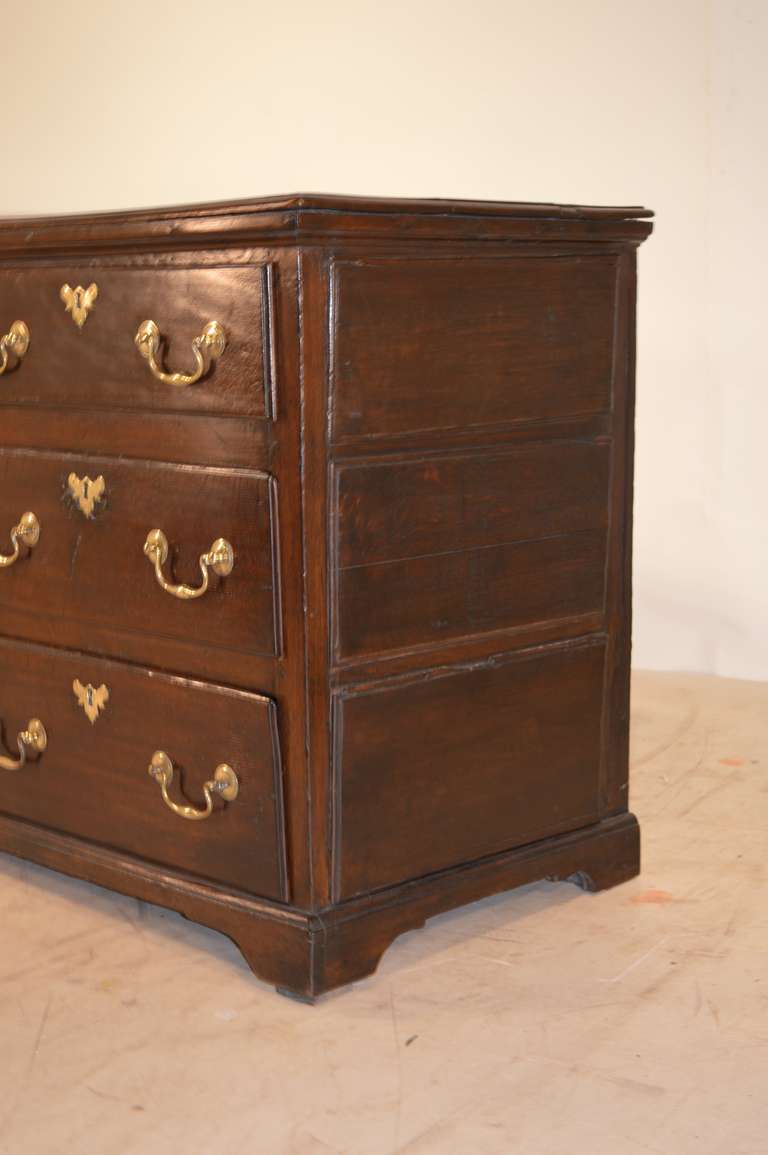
<point>98,367</point>
<point>92,780</point>
<point>427,345</point>
<point>454,766</point>
<point>92,571</point>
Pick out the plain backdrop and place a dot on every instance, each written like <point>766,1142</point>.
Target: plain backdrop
<point>114,105</point>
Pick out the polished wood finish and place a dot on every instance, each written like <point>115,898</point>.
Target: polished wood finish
<point>92,780</point>
<point>91,571</point>
<point>399,508</point>
<point>455,765</point>
<point>419,441</point>
<point>481,343</point>
<point>98,367</point>
<point>305,216</point>
<point>415,601</point>
<point>459,545</point>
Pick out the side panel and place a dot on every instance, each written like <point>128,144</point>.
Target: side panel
<point>442,546</point>
<point>452,767</point>
<point>479,410</point>
<point>427,345</point>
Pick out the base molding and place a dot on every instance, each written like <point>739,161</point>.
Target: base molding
<point>306,954</point>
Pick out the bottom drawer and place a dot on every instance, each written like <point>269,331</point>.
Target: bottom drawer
<point>92,778</point>
<point>451,766</point>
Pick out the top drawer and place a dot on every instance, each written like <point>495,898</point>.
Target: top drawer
<point>85,355</point>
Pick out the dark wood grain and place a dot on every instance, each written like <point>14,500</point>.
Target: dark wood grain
<point>357,933</point>
<point>290,219</point>
<point>452,546</point>
<point>98,367</point>
<point>94,570</point>
<point>615,760</point>
<point>404,508</point>
<point>456,765</point>
<point>188,439</point>
<point>422,601</point>
<point>92,780</point>
<point>419,442</point>
<point>315,295</point>
<point>426,345</point>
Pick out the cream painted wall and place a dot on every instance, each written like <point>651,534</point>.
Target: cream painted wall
<point>110,105</point>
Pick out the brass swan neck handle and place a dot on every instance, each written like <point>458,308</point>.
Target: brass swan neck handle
<point>15,341</point>
<point>224,783</point>
<point>27,533</point>
<point>220,558</point>
<point>33,740</point>
<point>206,348</point>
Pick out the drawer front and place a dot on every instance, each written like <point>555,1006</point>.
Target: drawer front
<point>448,768</point>
<point>98,366</point>
<point>92,779</point>
<point>426,345</point>
<point>89,565</point>
<point>456,545</point>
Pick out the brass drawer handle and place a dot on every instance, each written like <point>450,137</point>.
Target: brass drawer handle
<point>34,739</point>
<point>220,558</point>
<point>225,783</point>
<point>15,341</point>
<point>28,532</point>
<point>207,347</point>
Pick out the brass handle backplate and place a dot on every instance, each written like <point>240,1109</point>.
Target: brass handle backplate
<point>224,783</point>
<point>206,349</point>
<point>27,533</point>
<point>220,558</point>
<point>32,740</point>
<point>15,341</point>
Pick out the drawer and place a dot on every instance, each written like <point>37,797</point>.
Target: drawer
<point>92,780</point>
<point>428,345</point>
<point>98,366</point>
<point>455,545</point>
<point>450,767</point>
<point>89,567</point>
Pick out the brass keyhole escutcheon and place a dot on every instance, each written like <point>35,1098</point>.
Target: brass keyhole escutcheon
<point>85,494</point>
<point>79,301</point>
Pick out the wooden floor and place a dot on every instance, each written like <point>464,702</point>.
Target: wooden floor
<point>545,1021</point>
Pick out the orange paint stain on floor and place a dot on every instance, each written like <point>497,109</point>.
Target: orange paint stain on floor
<point>732,761</point>
<point>652,896</point>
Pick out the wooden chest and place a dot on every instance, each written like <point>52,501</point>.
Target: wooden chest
<point>315,578</point>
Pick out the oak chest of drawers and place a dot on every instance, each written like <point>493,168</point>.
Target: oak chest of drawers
<point>315,575</point>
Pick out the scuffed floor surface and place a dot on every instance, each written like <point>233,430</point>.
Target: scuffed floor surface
<point>545,1021</point>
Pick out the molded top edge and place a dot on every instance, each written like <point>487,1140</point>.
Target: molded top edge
<point>322,202</point>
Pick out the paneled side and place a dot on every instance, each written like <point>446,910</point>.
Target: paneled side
<point>426,345</point>
<point>446,546</point>
<point>445,768</point>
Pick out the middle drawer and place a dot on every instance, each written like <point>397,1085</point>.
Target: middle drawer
<point>89,571</point>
